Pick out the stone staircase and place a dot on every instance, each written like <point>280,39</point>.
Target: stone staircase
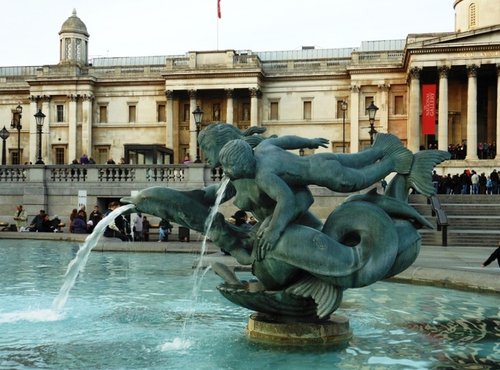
<point>473,220</point>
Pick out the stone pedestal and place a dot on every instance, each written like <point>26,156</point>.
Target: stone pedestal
<point>272,330</point>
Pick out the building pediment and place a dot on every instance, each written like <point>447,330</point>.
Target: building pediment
<point>481,37</point>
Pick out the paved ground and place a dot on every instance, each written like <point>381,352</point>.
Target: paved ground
<point>453,267</point>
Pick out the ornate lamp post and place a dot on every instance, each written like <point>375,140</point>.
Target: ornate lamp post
<point>4,134</point>
<point>17,114</point>
<point>39,117</point>
<point>343,106</point>
<point>372,111</point>
<point>198,116</point>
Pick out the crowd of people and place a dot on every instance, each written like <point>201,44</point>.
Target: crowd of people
<point>468,182</point>
<point>459,151</point>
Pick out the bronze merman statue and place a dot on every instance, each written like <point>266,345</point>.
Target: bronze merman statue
<point>302,265</point>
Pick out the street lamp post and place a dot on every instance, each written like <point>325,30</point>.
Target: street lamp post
<point>343,106</point>
<point>372,111</point>
<point>4,134</point>
<point>17,114</point>
<point>39,117</point>
<point>198,116</point>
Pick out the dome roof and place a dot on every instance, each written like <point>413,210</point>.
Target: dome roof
<point>74,25</point>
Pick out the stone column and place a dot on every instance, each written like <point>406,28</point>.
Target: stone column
<point>169,129</point>
<point>472,112</point>
<point>254,106</point>
<point>413,127</point>
<point>354,115</point>
<point>87,124</point>
<point>498,112</point>
<point>443,108</point>
<point>229,109</point>
<point>384,106</point>
<point>192,125</point>
<point>46,144</point>
<point>72,132</point>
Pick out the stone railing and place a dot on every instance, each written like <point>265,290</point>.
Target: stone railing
<point>195,174</point>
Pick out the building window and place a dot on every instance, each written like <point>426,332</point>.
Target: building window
<point>274,107</point>
<point>472,15</point>
<point>340,112</point>
<point>368,101</point>
<point>246,112</point>
<point>185,113</point>
<point>15,157</point>
<point>131,113</point>
<point>161,113</point>
<point>103,114</point>
<point>399,107</point>
<point>60,156</point>
<point>60,113</point>
<point>307,110</point>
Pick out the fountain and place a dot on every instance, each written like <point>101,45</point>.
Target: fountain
<point>127,311</point>
<point>302,266</point>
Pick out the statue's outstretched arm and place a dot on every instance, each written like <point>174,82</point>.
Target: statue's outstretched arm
<point>297,142</point>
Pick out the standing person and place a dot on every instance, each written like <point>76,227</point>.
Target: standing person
<point>94,217</point>
<point>145,228</point>
<point>20,217</point>
<point>137,223</point>
<point>494,256</point>
<point>474,179</point>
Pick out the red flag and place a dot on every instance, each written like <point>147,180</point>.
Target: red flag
<point>218,9</point>
<point>429,109</point>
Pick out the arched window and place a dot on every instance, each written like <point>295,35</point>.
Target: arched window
<point>472,15</point>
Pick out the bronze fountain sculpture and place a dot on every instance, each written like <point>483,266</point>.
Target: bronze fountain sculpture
<point>303,265</point>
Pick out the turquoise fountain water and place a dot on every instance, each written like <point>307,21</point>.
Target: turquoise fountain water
<point>127,310</point>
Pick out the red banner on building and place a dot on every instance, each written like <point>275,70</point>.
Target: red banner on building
<point>429,109</point>
<point>219,15</point>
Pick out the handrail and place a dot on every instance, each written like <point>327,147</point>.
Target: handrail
<point>441,218</point>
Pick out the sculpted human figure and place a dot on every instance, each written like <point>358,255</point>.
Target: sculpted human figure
<point>365,239</point>
<point>278,172</point>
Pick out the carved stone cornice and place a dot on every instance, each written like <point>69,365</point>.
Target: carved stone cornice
<point>443,71</point>
<point>36,98</point>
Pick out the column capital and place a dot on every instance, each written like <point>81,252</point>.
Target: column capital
<point>88,97</point>
<point>355,89</point>
<point>384,87</point>
<point>255,93</point>
<point>229,93</point>
<point>192,94</point>
<point>35,98</point>
<point>443,71</point>
<point>169,94</point>
<point>415,73</point>
<point>73,97</point>
<point>472,70</point>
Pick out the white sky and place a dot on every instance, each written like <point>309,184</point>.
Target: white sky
<point>29,29</point>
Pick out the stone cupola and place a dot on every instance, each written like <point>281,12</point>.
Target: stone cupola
<point>473,14</point>
<point>73,41</point>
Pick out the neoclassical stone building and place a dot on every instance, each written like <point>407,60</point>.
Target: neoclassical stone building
<point>433,88</point>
